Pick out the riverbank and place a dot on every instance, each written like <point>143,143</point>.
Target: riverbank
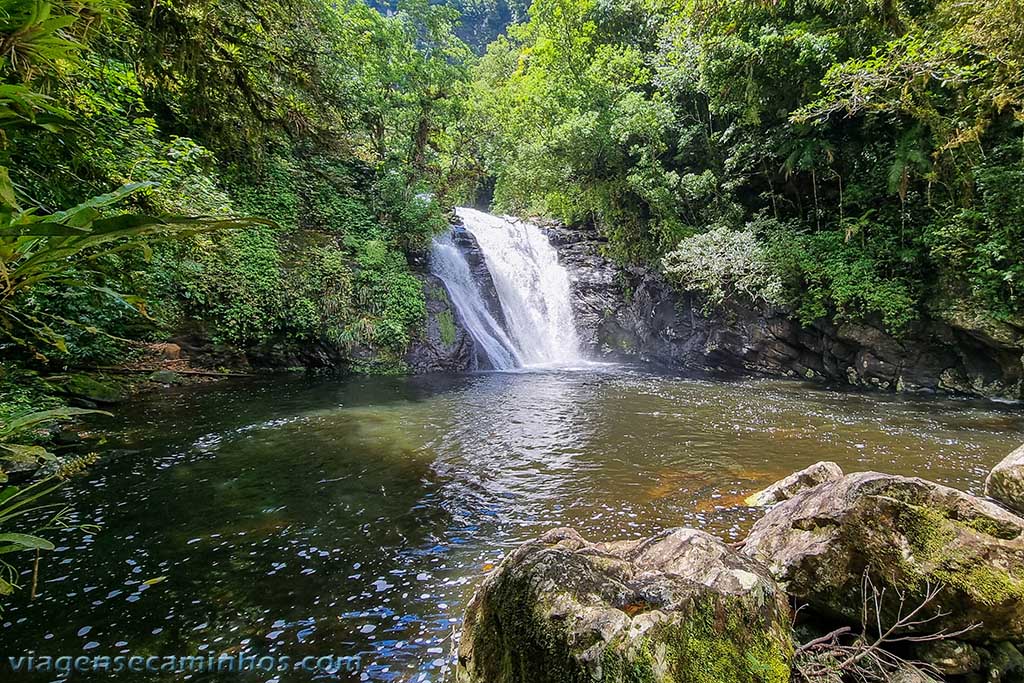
<point>635,312</point>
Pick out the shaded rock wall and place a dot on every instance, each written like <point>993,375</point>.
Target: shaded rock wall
<point>470,248</point>
<point>634,312</point>
<point>444,345</point>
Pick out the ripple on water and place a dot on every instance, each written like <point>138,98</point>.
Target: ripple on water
<point>355,518</point>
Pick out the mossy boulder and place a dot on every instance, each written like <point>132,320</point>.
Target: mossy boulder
<point>1005,482</point>
<point>909,536</point>
<point>92,388</point>
<point>19,462</point>
<point>680,607</point>
<point>784,489</point>
<point>166,377</point>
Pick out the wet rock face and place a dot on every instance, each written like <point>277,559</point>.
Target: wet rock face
<point>1005,482</point>
<point>633,312</point>
<point>444,345</point>
<point>908,535</point>
<point>465,241</point>
<point>678,607</point>
<point>818,473</point>
<point>1002,663</point>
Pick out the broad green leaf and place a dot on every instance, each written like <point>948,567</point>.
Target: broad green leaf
<point>22,453</point>
<point>27,541</point>
<point>33,419</point>
<point>7,188</point>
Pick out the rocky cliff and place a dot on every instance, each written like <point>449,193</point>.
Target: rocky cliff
<point>634,312</point>
<point>444,345</point>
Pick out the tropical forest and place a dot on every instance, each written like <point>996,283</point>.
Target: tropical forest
<point>512,341</point>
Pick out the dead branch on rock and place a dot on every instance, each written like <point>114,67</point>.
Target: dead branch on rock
<point>843,655</point>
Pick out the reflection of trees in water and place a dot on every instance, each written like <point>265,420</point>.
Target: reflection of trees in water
<point>422,482</point>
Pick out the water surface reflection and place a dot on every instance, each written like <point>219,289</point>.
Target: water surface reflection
<point>309,517</point>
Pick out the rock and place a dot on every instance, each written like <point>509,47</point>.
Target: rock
<point>444,345</point>
<point>466,242</point>
<point>950,657</point>
<point>1005,482</point>
<point>1002,663</point>
<point>166,351</point>
<point>907,535</point>
<point>64,436</point>
<point>90,389</point>
<point>818,473</point>
<point>165,377</point>
<point>634,312</point>
<point>16,468</point>
<point>196,343</point>
<point>909,673</point>
<point>679,607</point>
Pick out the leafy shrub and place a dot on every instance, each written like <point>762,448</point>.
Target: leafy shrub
<point>828,275</point>
<point>389,297</point>
<point>724,262</point>
<point>986,242</point>
<point>22,390</point>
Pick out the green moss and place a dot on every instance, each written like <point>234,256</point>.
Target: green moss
<point>713,644</point>
<point>446,322</point>
<point>640,669</point>
<point>716,644</point>
<point>926,529</point>
<point>991,527</point>
<point>93,388</point>
<point>932,538</point>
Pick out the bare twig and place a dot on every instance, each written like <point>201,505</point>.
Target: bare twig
<point>35,577</point>
<point>866,659</point>
<point>827,638</point>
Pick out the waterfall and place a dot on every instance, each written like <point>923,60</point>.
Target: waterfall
<point>449,263</point>
<point>532,288</point>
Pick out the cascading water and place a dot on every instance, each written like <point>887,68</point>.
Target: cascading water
<point>449,263</point>
<point>532,288</point>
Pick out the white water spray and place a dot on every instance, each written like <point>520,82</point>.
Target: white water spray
<point>533,289</point>
<point>448,263</point>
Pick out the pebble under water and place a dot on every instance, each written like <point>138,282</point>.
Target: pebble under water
<point>354,517</point>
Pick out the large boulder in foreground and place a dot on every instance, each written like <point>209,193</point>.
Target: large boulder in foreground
<point>784,489</point>
<point>1005,482</point>
<point>680,607</point>
<point>908,535</point>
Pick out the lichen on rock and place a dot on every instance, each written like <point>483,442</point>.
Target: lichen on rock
<point>679,607</point>
<point>909,535</point>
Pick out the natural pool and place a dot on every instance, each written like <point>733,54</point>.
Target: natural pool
<point>354,517</point>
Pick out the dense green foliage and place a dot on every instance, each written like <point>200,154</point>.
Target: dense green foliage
<point>159,124</point>
<point>480,21</point>
<point>327,120</point>
<point>849,158</point>
<point>872,149</point>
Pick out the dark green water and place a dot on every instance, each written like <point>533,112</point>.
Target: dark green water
<point>302,517</point>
